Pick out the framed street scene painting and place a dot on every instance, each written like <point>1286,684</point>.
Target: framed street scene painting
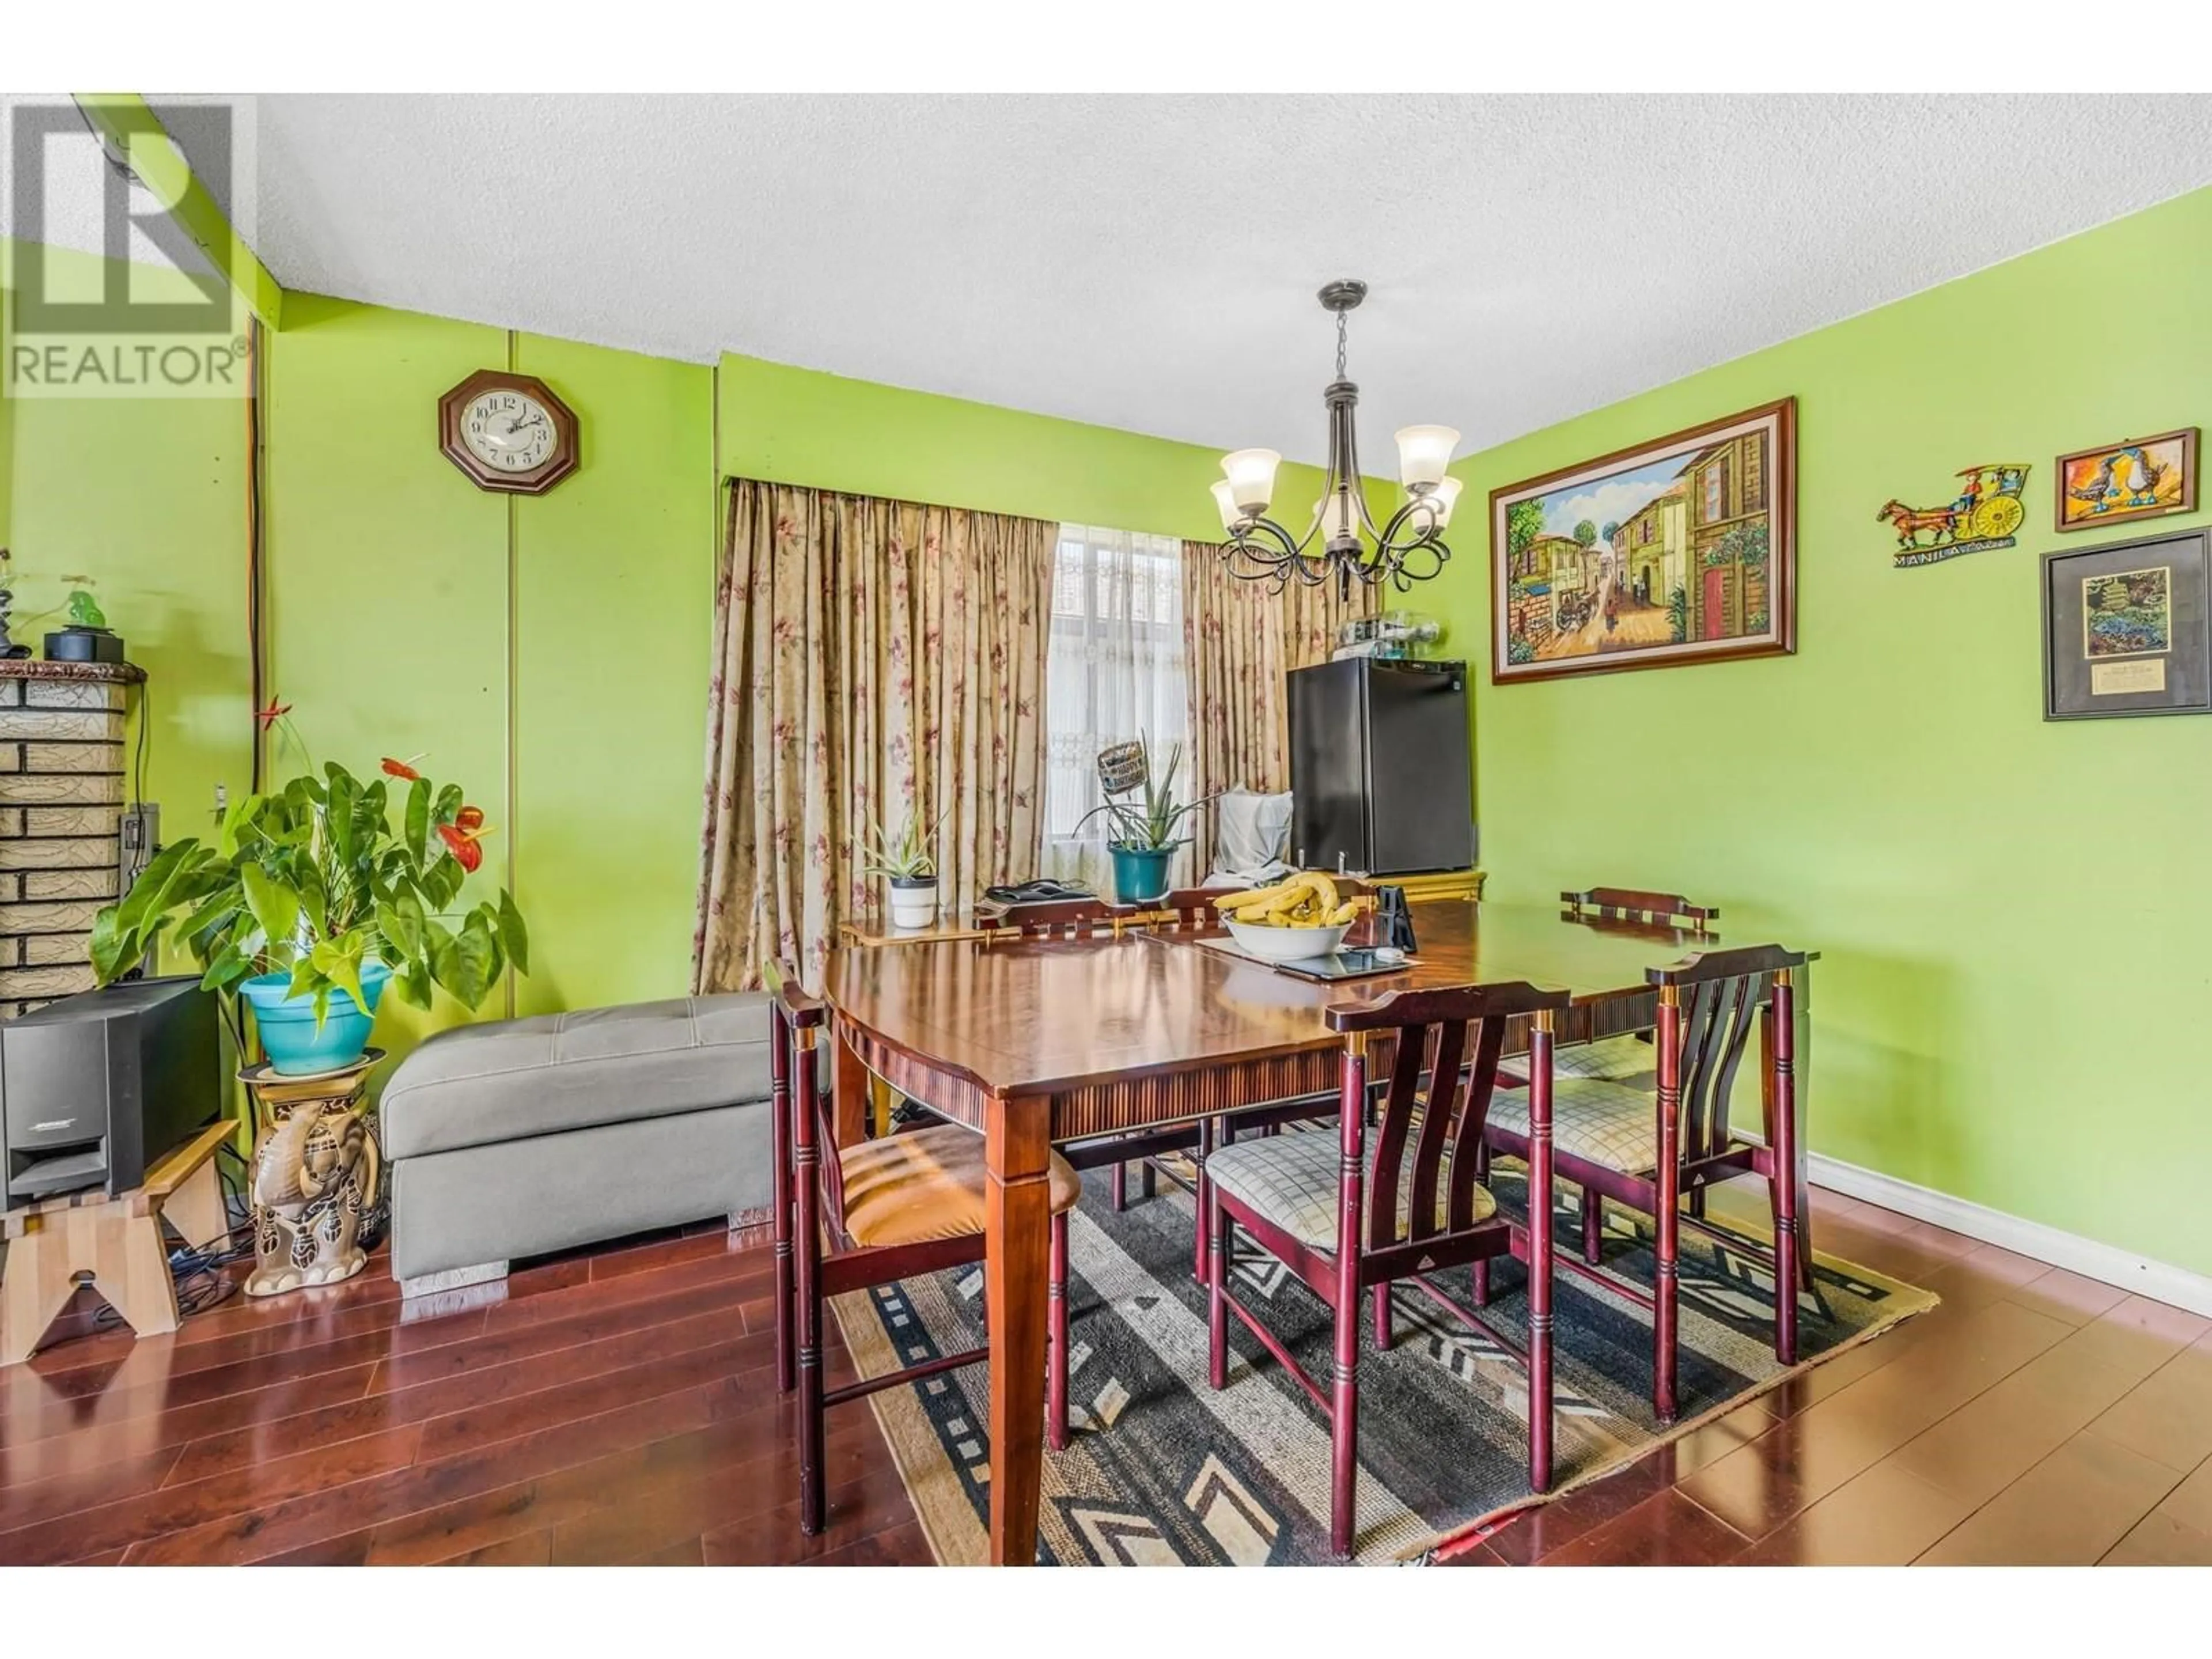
<point>2127,630</point>
<point>1681,550</point>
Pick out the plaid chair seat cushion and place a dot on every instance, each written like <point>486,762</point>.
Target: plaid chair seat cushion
<point>1624,1058</point>
<point>1290,1179</point>
<point>1595,1120</point>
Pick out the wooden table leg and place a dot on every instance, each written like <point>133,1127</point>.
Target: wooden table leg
<point>1016,1227</point>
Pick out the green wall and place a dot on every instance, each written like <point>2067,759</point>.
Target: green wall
<point>548,654</point>
<point>797,426</point>
<point>2015,918</point>
<point>147,498</point>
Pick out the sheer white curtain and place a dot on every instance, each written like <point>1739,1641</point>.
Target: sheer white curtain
<point>1115,670</point>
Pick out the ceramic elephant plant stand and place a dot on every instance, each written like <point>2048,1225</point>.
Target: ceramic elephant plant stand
<point>316,1178</point>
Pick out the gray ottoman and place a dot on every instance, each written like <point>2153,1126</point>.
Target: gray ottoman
<point>522,1136</point>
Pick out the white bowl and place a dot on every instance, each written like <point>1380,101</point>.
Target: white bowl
<point>1287,943</point>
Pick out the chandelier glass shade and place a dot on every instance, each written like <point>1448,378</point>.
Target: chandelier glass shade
<point>1343,539</point>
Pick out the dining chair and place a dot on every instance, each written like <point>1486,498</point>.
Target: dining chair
<point>1625,1056</point>
<point>1630,1053</point>
<point>1352,1221</point>
<point>1645,1149</point>
<point>1057,919</point>
<point>886,1209</point>
<point>1191,911</point>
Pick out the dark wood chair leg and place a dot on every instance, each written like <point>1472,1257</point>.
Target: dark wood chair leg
<point>1666,1224</point>
<point>1148,1180</point>
<point>1344,1396</point>
<point>1217,1304</point>
<point>1697,1201</point>
<point>1381,1295</point>
<point>1593,1225</point>
<point>806,1222</point>
<point>1204,1193</point>
<point>787,1357</point>
<point>1783,1183</point>
<point>1541,1388</point>
<point>1121,1179</point>
<point>1344,1432</point>
<point>1482,1275</point>
<point>1055,1391</point>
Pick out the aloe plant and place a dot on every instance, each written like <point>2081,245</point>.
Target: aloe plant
<point>909,856</point>
<point>1152,826</point>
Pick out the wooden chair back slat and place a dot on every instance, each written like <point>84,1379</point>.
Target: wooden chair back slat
<point>1399,1101</point>
<point>1639,905</point>
<point>1481,1085</point>
<point>1438,1112</point>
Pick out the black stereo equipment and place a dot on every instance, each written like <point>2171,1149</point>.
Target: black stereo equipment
<point>96,1087</point>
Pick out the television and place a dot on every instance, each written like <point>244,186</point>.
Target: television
<point>96,1088</point>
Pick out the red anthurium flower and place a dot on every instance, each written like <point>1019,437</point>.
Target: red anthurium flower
<point>270,715</point>
<point>468,820</point>
<point>464,847</point>
<point>400,768</point>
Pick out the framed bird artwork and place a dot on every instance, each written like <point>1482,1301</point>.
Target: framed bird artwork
<point>2140,478</point>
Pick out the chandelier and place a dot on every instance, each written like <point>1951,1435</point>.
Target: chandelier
<point>1410,548</point>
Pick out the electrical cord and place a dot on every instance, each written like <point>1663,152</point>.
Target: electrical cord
<point>198,1272</point>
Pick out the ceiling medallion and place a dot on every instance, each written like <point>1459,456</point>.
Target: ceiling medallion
<point>1408,549</point>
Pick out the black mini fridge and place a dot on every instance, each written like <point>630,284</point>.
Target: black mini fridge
<point>1382,770</point>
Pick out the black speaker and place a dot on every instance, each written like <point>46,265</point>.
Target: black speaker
<point>96,1087</point>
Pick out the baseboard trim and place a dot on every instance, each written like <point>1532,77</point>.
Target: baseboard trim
<point>2105,1263</point>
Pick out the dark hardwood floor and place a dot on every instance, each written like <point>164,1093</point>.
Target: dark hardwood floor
<point>620,1406</point>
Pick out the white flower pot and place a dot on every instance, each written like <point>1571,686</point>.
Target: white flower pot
<point>913,903</point>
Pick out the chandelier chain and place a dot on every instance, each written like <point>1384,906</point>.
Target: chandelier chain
<point>1342,318</point>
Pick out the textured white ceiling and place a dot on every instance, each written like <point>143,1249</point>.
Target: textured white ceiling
<point>1151,263</point>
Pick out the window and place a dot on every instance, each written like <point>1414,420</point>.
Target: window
<point>1114,669</point>
<point>1717,490</point>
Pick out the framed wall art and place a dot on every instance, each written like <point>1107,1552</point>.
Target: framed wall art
<point>1681,549</point>
<point>2141,478</point>
<point>2127,628</point>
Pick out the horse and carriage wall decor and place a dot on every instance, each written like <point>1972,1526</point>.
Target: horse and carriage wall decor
<point>1983,516</point>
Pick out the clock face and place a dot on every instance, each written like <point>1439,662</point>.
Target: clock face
<point>508,431</point>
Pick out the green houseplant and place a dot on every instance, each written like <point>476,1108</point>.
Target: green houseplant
<point>1144,836</point>
<point>907,864</point>
<point>309,902</point>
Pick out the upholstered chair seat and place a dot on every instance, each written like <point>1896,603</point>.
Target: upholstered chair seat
<point>1290,1179</point>
<point>1604,1123</point>
<point>927,1184</point>
<point>1624,1058</point>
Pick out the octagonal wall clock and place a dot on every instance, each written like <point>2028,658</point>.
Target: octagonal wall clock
<point>508,432</point>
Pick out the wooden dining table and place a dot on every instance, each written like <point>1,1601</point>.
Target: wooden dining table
<point>1034,1043</point>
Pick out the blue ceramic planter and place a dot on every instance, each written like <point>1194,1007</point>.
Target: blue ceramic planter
<point>287,1024</point>
<point>1140,874</point>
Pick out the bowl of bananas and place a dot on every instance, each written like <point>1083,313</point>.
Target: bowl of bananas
<point>1294,920</point>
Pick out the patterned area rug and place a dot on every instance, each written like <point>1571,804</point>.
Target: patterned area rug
<point>1161,1469</point>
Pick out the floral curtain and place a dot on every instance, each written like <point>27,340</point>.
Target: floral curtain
<point>873,658</point>
<point>1242,639</point>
